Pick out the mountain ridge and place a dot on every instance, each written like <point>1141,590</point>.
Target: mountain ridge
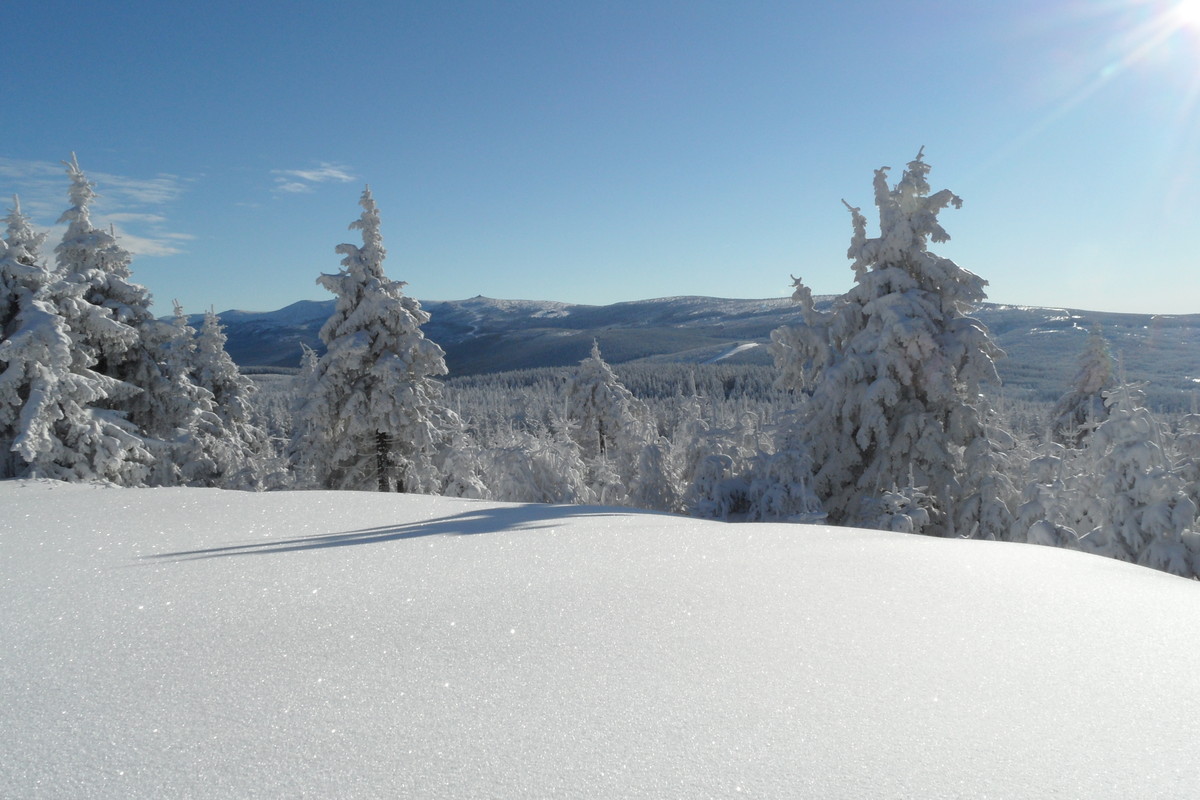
<point>483,335</point>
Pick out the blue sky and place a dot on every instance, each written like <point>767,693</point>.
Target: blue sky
<point>599,152</point>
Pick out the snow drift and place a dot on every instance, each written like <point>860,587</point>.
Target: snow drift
<point>201,643</point>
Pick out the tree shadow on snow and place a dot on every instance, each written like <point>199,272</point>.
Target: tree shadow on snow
<point>488,520</point>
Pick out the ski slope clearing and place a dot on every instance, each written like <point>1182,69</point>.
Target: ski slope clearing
<point>741,348</point>
<point>207,644</point>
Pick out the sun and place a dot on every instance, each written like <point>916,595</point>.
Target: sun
<point>1187,14</point>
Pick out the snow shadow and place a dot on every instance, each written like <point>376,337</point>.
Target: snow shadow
<point>493,519</point>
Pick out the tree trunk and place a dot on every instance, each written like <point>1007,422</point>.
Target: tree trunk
<point>382,461</point>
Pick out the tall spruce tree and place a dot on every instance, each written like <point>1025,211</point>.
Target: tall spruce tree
<point>113,326</point>
<point>375,417</point>
<point>246,459</point>
<point>1082,408</point>
<point>890,374</point>
<point>52,417</point>
<point>92,257</point>
<point>610,425</point>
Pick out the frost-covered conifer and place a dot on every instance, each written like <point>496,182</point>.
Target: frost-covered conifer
<point>610,425</point>
<point>190,447</point>
<point>23,270</point>
<point>51,422</point>
<point>247,461</point>
<point>92,257</point>
<point>461,467</point>
<point>717,466</point>
<point>904,510</point>
<point>780,482</point>
<point>1044,515</point>
<point>607,414</point>
<point>215,442</point>
<point>690,440</point>
<point>1083,408</point>
<point>302,450</point>
<point>1140,499</point>
<point>375,417</point>
<point>890,375</point>
<point>538,466</point>
<point>1187,454</point>
<point>717,491</point>
<point>656,485</point>
<point>113,326</point>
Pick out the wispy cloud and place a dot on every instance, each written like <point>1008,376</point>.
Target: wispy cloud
<point>134,207</point>
<point>155,219</point>
<point>156,191</point>
<point>303,181</point>
<point>156,244</point>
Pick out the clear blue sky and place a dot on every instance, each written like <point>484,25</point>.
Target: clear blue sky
<point>599,152</point>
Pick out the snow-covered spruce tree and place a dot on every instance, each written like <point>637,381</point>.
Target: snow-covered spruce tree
<point>305,426</point>
<point>50,422</point>
<point>375,417</point>
<point>461,466</point>
<point>248,460</point>
<point>610,425</point>
<point>93,258</point>
<point>23,270</point>
<point>1187,456</point>
<point>779,483</point>
<point>1082,408</point>
<point>1140,499</point>
<point>719,465</point>
<point>1044,515</point>
<point>197,440</point>
<point>890,374</point>
<point>656,484</point>
<point>538,465</point>
<point>115,327</point>
<point>216,444</point>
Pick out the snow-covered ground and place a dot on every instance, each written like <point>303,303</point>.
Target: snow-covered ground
<point>741,348</point>
<point>196,643</point>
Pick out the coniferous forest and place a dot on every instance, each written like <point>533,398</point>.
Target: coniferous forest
<point>883,410</point>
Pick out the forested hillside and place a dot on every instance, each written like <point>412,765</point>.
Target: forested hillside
<point>483,335</point>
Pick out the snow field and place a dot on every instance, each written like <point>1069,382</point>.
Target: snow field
<point>202,643</point>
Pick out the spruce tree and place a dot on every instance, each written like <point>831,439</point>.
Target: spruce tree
<point>52,420</point>
<point>889,376</point>
<point>375,417</point>
<point>1135,490</point>
<point>1082,408</point>
<point>247,459</point>
<point>23,270</point>
<point>114,328</point>
<point>610,425</point>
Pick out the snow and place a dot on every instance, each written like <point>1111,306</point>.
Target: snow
<point>741,348</point>
<point>212,644</point>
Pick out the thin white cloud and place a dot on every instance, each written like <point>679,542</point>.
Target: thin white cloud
<point>132,217</point>
<point>156,191</point>
<point>17,170</point>
<point>159,245</point>
<point>303,181</point>
<point>134,207</point>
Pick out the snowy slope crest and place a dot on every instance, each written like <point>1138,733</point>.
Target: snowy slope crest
<point>200,643</point>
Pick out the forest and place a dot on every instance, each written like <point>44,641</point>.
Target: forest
<point>883,410</point>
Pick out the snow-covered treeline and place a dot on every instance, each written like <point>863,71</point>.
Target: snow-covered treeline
<point>94,387</point>
<point>883,410</point>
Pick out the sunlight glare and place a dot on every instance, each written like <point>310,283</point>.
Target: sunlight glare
<point>1187,13</point>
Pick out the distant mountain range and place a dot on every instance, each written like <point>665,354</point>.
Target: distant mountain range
<point>482,335</point>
